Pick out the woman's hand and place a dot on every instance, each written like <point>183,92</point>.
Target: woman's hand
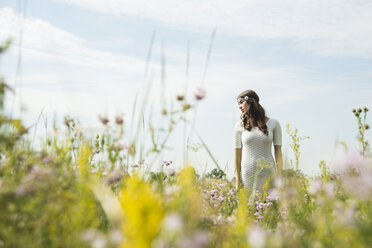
<point>238,184</point>
<point>278,159</point>
<point>238,155</point>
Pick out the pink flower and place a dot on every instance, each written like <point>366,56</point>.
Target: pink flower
<point>119,120</point>
<point>200,94</point>
<point>103,120</point>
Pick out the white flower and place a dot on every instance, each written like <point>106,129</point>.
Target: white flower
<point>173,222</point>
<point>315,187</point>
<point>278,182</point>
<point>256,237</point>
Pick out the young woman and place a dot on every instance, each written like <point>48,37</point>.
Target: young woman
<point>254,136</point>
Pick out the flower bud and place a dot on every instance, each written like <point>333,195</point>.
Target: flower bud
<point>359,110</point>
<point>365,109</point>
<point>186,106</point>
<point>119,120</point>
<point>103,120</point>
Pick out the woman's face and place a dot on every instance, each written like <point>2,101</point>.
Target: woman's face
<point>243,105</point>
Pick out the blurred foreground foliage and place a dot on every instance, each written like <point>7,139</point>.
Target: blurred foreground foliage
<point>82,192</point>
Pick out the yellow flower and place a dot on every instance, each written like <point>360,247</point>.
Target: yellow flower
<point>143,213</point>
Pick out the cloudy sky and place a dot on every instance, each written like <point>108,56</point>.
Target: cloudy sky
<point>309,61</point>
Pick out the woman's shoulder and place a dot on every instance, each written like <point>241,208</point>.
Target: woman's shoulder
<point>273,121</point>
<point>238,126</point>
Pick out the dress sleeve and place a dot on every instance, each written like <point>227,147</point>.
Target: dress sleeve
<point>277,134</point>
<point>237,136</point>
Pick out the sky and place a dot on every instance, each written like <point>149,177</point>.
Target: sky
<point>309,61</point>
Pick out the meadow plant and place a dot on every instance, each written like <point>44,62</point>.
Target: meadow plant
<point>362,128</point>
<point>295,145</point>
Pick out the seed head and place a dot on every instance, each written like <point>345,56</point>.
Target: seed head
<point>180,97</point>
<point>354,111</point>
<point>365,109</point>
<point>164,112</point>
<point>359,110</point>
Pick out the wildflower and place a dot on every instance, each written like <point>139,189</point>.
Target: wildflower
<point>278,182</point>
<point>94,238</point>
<point>121,146</point>
<point>143,212</point>
<point>198,240</point>
<point>139,163</point>
<point>186,106</point>
<point>256,237</point>
<point>173,222</point>
<point>116,237</point>
<point>200,94</point>
<point>315,186</point>
<point>35,180</point>
<point>349,160</point>
<point>48,159</point>
<point>67,120</point>
<point>221,198</point>
<point>180,97</point>
<point>119,120</point>
<point>103,120</point>
<point>114,177</point>
<point>167,163</point>
<point>360,184</point>
<point>273,195</point>
<point>284,213</point>
<point>329,189</point>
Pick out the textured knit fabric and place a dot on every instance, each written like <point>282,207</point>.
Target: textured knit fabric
<point>257,163</point>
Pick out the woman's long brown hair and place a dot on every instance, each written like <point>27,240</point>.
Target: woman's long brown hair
<point>255,114</point>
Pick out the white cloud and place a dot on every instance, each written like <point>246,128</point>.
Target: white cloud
<point>334,27</point>
<point>57,63</point>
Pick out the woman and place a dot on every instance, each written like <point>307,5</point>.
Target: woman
<point>254,135</point>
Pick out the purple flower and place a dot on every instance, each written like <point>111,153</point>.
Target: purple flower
<point>114,177</point>
<point>167,163</point>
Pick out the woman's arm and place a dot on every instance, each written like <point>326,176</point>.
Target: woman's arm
<point>278,159</point>
<point>238,159</point>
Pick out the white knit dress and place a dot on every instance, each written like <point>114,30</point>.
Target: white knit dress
<point>257,163</point>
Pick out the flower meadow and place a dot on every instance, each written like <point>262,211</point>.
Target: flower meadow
<point>82,191</point>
